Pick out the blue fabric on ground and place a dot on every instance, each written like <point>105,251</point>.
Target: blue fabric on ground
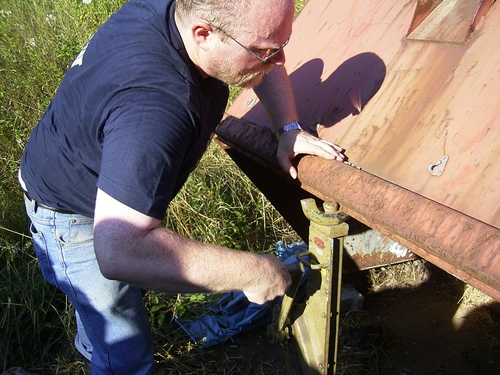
<point>233,313</point>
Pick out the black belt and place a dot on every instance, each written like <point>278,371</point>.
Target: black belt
<point>59,210</point>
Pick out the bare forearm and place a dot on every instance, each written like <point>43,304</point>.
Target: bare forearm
<point>275,93</point>
<point>164,261</point>
<point>133,248</point>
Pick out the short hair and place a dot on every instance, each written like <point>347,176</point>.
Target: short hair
<point>224,14</point>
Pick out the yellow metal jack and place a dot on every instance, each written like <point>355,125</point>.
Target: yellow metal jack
<point>314,323</point>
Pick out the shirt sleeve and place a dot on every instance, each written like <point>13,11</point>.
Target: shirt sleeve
<point>145,140</point>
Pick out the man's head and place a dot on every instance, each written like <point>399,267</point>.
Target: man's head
<point>236,41</point>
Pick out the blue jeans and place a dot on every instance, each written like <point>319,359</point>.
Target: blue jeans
<point>113,329</point>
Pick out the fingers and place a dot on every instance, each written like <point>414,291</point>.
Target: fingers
<point>292,144</point>
<point>292,171</point>
<point>324,148</point>
<point>288,167</point>
<point>336,147</point>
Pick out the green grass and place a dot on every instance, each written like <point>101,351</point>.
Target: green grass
<point>38,40</point>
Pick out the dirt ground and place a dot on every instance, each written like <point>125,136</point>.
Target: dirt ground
<point>430,328</point>
<point>415,320</point>
<point>421,328</point>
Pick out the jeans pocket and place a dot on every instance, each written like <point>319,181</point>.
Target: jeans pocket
<point>41,251</point>
<point>35,234</point>
<point>80,231</point>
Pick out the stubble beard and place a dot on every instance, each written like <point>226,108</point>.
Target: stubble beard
<point>246,78</point>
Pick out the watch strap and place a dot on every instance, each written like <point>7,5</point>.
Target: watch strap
<point>288,127</point>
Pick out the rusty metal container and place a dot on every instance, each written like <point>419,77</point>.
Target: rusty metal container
<point>411,90</point>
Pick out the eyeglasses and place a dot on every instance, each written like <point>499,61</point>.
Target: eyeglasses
<point>270,53</point>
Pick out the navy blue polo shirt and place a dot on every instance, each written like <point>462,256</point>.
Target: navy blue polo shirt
<point>132,117</point>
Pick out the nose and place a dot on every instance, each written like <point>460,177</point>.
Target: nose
<point>278,59</point>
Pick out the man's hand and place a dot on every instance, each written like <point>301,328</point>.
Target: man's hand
<point>297,142</point>
<point>276,95</point>
<point>271,280</point>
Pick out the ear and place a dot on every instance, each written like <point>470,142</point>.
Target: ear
<point>201,31</point>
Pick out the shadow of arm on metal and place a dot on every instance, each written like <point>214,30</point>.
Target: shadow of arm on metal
<point>327,101</point>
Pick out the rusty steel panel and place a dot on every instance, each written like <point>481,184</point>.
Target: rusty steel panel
<point>457,243</point>
<point>370,248</point>
<point>400,107</point>
<point>451,21</point>
<point>419,120</point>
<point>461,245</point>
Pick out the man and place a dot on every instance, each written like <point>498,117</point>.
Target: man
<point>129,122</point>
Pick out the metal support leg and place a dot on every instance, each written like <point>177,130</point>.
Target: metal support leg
<point>316,329</point>
<point>314,323</point>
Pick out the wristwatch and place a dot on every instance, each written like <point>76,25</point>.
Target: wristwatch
<point>288,127</point>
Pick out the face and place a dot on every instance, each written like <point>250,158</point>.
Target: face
<point>232,59</point>
<point>235,70</point>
